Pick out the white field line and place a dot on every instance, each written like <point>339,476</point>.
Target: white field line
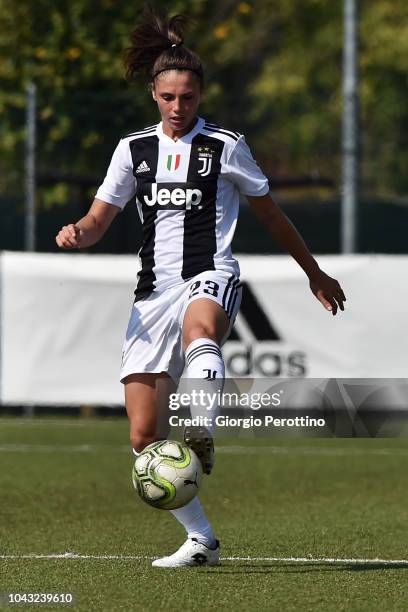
<point>325,560</point>
<point>306,450</point>
<point>226,450</point>
<point>65,448</point>
<point>60,422</point>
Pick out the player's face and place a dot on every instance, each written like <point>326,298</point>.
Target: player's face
<point>178,96</point>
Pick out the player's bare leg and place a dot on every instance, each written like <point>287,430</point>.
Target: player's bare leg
<point>147,407</point>
<point>146,397</point>
<point>205,325</point>
<point>204,318</point>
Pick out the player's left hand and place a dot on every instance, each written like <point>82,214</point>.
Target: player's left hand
<point>328,291</point>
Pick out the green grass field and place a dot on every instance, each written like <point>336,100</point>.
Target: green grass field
<point>65,488</point>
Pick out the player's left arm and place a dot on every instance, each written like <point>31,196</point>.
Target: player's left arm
<point>326,289</point>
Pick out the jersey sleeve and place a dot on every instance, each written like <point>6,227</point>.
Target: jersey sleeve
<point>119,185</point>
<point>244,172</point>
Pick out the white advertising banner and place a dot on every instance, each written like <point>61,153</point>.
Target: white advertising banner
<point>63,319</point>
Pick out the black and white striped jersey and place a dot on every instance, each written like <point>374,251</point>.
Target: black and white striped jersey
<point>187,194</point>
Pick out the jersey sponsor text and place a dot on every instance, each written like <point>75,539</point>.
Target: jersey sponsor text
<point>179,197</point>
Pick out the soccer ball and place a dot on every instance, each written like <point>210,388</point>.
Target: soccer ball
<point>167,474</point>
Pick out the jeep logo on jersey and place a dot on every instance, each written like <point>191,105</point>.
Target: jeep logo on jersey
<point>176,197</point>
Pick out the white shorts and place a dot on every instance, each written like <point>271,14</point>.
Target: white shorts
<point>153,340</point>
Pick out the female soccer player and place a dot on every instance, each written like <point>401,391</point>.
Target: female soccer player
<point>187,174</point>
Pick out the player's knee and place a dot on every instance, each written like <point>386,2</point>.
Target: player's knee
<point>200,330</point>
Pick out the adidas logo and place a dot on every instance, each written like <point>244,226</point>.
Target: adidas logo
<point>142,167</point>
<point>255,346</point>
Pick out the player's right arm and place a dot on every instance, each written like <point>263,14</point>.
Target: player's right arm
<point>118,187</point>
<point>88,230</point>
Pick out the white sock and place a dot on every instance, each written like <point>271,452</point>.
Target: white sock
<point>193,519</point>
<point>137,453</point>
<point>206,371</point>
<point>204,359</point>
<point>195,522</point>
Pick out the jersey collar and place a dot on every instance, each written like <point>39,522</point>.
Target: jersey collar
<point>186,139</point>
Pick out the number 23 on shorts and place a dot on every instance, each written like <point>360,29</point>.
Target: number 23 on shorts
<point>208,286</point>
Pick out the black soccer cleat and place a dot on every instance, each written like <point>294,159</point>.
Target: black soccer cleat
<point>201,442</point>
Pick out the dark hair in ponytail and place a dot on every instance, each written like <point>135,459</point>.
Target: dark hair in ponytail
<point>157,45</point>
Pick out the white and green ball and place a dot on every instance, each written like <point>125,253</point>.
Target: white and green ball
<point>167,474</point>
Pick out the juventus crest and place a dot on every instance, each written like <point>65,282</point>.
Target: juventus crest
<point>205,157</point>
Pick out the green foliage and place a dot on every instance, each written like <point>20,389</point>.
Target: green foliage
<point>273,72</point>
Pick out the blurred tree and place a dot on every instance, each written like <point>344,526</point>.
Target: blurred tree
<point>273,71</point>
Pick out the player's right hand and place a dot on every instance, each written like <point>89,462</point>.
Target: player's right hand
<point>69,237</point>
